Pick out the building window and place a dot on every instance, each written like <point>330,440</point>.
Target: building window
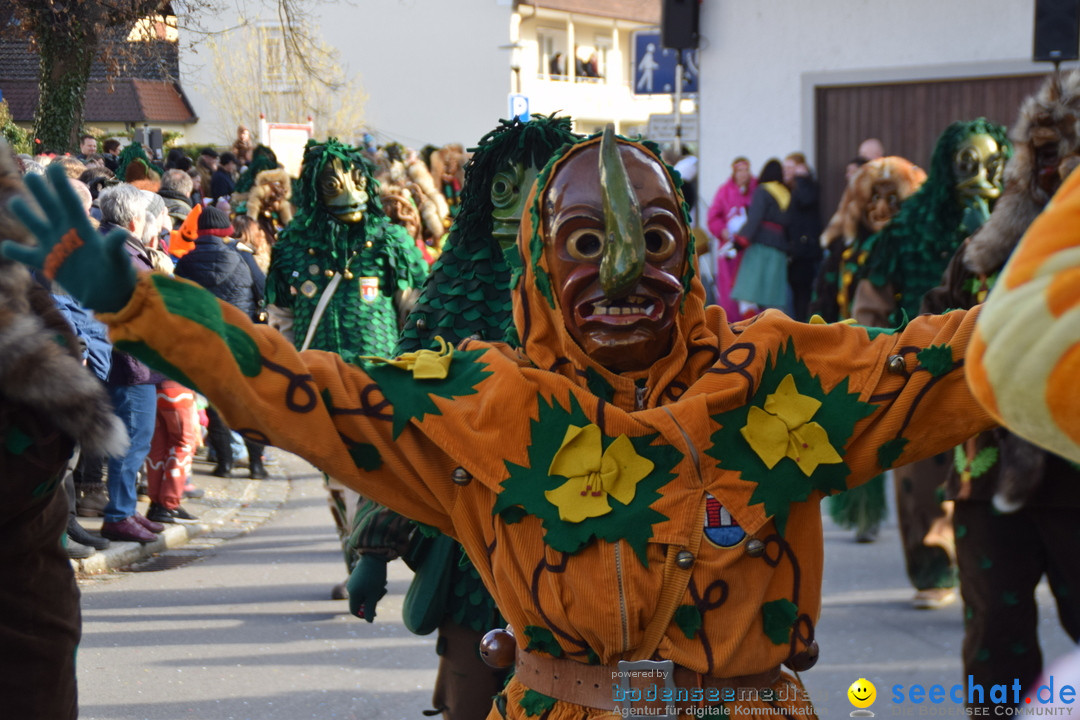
<point>551,45</point>
<point>273,54</point>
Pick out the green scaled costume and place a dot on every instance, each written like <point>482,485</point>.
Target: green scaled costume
<point>374,259</point>
<point>911,252</point>
<point>902,263</point>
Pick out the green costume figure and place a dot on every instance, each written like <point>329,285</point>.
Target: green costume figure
<point>338,273</point>
<point>340,246</point>
<point>902,263</point>
<point>468,294</point>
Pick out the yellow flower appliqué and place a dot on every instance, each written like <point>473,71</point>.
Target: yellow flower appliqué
<point>783,429</point>
<point>594,474</point>
<point>424,364</point>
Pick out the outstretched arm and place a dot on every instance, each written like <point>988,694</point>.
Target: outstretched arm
<point>1025,356</point>
<point>314,404</point>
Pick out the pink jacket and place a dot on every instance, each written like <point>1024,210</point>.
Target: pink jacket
<point>728,198</point>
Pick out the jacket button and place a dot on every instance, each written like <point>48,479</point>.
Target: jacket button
<point>755,548</point>
<point>461,476</point>
<point>684,559</point>
<point>897,365</point>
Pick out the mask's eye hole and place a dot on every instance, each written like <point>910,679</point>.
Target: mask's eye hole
<point>330,185</point>
<point>503,190</point>
<point>359,179</point>
<point>659,244</point>
<point>585,244</point>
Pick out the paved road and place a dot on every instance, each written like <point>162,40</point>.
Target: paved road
<point>246,630</point>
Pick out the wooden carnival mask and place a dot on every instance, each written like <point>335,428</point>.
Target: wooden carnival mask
<point>343,193</point>
<point>616,248</point>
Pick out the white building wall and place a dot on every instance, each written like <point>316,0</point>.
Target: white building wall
<point>761,59</point>
<point>432,70</point>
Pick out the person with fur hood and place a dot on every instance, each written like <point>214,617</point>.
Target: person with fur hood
<point>1015,503</point>
<point>49,402</point>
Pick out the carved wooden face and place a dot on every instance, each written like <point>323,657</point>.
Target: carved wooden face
<point>343,194</point>
<point>883,205</point>
<point>625,325</point>
<point>509,192</point>
<point>979,166</point>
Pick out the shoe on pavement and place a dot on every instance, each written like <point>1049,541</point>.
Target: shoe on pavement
<point>127,530</point>
<point>190,491</point>
<point>161,514</point>
<point>339,592</point>
<point>92,502</point>
<point>223,470</point>
<point>154,527</point>
<point>78,551</point>
<point>79,534</point>
<point>258,470</point>
<point>933,598</point>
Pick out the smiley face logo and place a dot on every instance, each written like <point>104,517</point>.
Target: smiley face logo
<point>862,694</point>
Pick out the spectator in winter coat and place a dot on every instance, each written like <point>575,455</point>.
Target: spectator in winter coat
<point>762,280</point>
<point>220,269</point>
<point>130,384</point>
<point>726,215</point>
<point>176,187</point>
<point>222,182</point>
<point>804,231</point>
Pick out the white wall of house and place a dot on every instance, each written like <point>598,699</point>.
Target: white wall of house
<point>591,102</point>
<point>432,70</point>
<point>761,60</point>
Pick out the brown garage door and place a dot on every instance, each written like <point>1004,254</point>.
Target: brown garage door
<point>908,117</point>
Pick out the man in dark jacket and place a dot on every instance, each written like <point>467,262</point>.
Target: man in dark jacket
<point>222,181</point>
<point>220,269</point>
<point>130,383</point>
<point>804,231</point>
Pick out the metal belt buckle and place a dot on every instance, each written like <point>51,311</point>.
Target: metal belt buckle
<point>645,669</point>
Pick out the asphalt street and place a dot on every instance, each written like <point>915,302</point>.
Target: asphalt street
<point>238,625</point>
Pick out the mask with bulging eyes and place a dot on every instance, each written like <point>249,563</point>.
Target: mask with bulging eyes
<point>343,193</point>
<point>616,248</point>
<point>509,191</point>
<point>978,165</point>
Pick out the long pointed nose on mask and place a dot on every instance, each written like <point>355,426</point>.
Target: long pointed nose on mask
<point>624,237</point>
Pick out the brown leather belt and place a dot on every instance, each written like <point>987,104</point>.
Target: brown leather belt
<point>614,687</point>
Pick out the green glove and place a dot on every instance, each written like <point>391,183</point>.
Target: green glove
<point>367,585</point>
<point>95,270</point>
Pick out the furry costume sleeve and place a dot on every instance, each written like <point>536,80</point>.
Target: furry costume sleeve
<point>1023,360</point>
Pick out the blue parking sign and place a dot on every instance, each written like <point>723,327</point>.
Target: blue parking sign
<point>654,66</point>
<point>519,107</point>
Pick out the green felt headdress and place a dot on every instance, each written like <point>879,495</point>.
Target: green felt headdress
<point>312,219</point>
<point>132,152</point>
<point>468,290</point>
